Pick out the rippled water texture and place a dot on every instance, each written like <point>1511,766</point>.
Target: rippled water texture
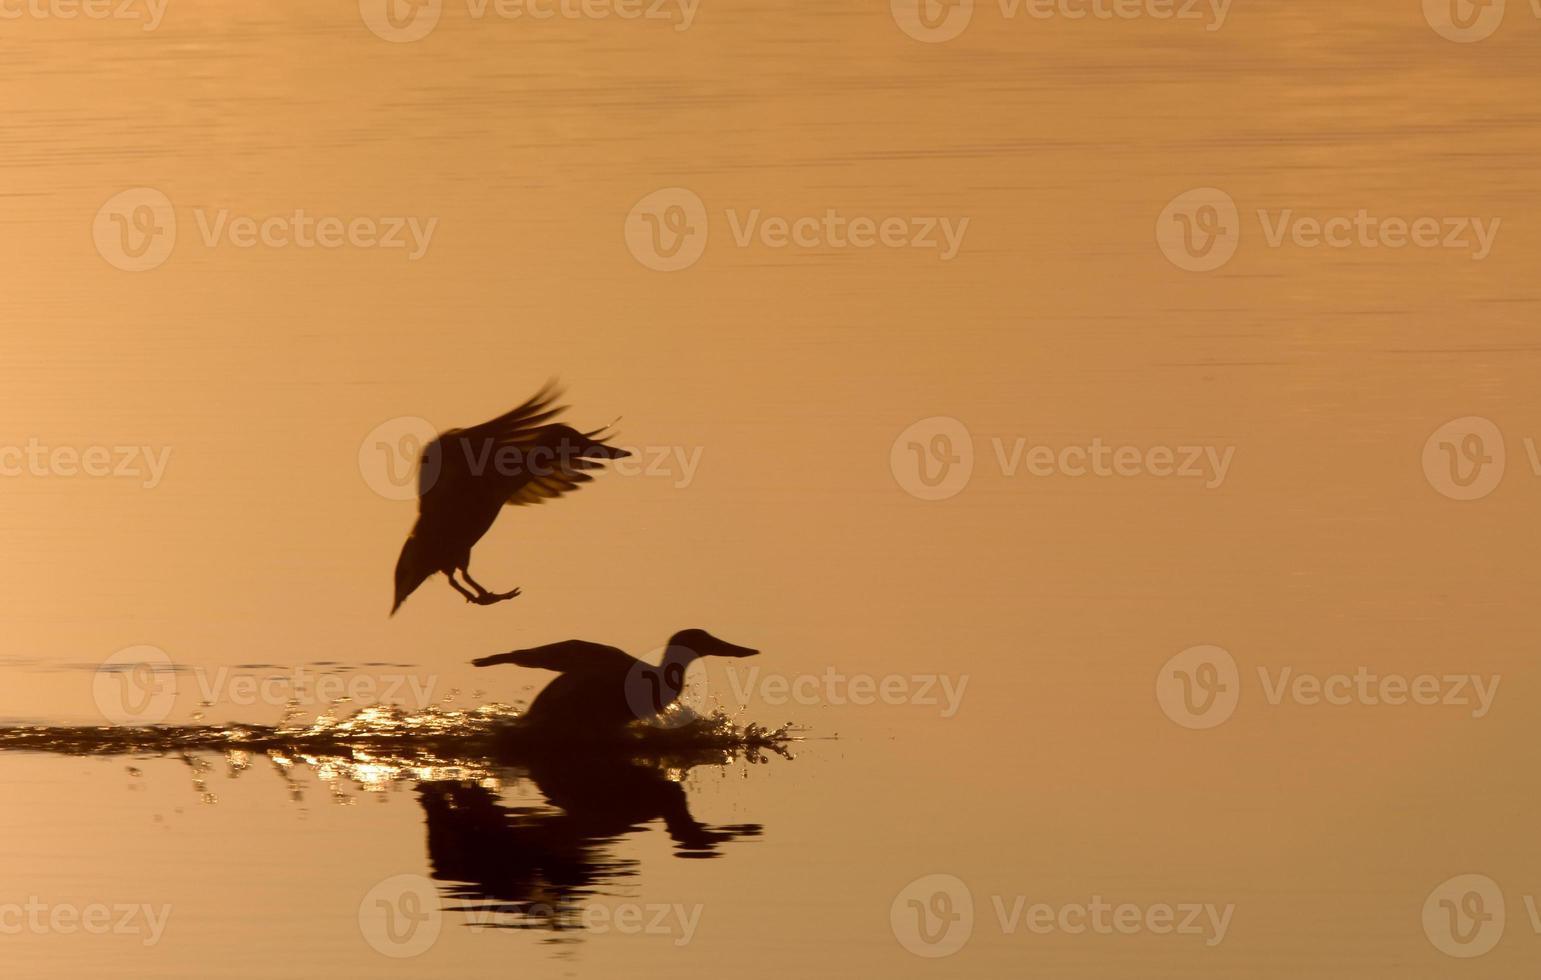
<point>1060,404</point>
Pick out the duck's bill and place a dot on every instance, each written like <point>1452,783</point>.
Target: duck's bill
<point>731,650</point>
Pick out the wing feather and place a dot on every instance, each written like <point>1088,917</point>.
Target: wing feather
<point>567,657</point>
<point>548,459</point>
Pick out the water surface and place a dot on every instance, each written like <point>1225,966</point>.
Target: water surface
<point>279,379</point>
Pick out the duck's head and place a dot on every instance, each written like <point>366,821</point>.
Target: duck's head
<point>704,644</point>
<point>412,570</point>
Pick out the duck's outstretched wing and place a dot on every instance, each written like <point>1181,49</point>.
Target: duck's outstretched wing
<point>459,456</point>
<point>520,457</point>
<point>566,657</point>
<point>557,456</point>
<point>516,425</point>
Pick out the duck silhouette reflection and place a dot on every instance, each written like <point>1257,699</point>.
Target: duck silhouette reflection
<point>531,864</point>
<point>537,863</point>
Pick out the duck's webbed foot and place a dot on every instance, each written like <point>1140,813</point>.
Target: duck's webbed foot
<point>482,596</point>
<point>490,598</point>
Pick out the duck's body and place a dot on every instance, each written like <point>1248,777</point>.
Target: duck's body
<point>467,476</point>
<point>601,689</point>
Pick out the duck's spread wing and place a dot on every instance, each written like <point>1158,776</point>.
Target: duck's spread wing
<point>568,657</point>
<point>557,463</point>
<point>461,458</point>
<point>517,425</point>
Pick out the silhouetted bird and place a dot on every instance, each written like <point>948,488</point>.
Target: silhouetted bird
<point>466,476</point>
<point>602,688</point>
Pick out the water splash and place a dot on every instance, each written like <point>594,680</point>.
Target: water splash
<point>382,746</point>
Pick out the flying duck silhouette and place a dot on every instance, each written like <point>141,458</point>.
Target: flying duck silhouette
<point>466,476</point>
<point>601,688</point>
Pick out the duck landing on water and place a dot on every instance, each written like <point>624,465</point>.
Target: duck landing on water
<point>602,689</point>
<point>467,476</point>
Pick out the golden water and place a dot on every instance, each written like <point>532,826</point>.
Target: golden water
<point>772,392</point>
